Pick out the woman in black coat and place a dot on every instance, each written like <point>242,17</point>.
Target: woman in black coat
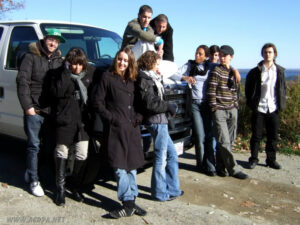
<point>114,101</point>
<point>69,92</point>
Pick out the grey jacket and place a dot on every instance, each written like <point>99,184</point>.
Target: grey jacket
<point>134,32</point>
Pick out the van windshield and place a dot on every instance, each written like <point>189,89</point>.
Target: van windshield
<point>99,45</point>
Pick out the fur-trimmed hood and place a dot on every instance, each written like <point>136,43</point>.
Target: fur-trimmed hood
<point>38,48</point>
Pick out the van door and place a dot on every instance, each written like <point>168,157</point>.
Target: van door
<point>11,114</point>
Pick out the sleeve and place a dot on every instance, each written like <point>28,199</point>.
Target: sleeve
<point>99,97</point>
<point>182,71</point>
<point>151,102</point>
<point>24,81</point>
<point>135,29</point>
<point>249,88</point>
<point>168,46</point>
<point>212,89</point>
<point>61,84</point>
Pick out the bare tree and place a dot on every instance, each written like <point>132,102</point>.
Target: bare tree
<point>10,5</point>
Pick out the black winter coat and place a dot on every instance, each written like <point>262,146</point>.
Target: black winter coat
<point>167,36</point>
<point>32,72</point>
<point>71,115</point>
<point>114,101</point>
<point>253,87</point>
<point>151,106</point>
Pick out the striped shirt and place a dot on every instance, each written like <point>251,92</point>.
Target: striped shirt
<point>222,89</point>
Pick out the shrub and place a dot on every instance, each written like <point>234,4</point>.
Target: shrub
<point>289,131</point>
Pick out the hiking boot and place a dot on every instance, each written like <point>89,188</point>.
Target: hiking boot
<point>36,189</point>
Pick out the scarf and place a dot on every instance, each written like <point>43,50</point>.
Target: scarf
<point>157,80</point>
<point>82,88</point>
<point>194,68</point>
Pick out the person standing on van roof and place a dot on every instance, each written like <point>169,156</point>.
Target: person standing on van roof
<point>139,35</point>
<point>162,27</point>
<point>43,56</point>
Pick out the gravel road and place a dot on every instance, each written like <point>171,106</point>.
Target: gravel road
<point>268,197</point>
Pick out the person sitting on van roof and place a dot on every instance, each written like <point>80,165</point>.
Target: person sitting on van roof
<point>139,35</point>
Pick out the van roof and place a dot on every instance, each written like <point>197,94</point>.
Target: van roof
<point>44,21</point>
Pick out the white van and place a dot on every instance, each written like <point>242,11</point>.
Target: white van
<point>99,44</point>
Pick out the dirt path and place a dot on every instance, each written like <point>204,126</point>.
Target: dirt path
<point>268,197</point>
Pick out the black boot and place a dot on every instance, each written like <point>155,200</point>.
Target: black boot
<point>60,181</point>
<point>76,180</point>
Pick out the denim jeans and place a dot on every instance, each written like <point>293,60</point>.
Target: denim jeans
<point>271,122</point>
<point>32,127</point>
<point>203,134</point>
<point>225,126</point>
<point>126,182</point>
<point>164,180</point>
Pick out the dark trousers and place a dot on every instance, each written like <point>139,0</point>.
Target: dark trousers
<point>271,122</point>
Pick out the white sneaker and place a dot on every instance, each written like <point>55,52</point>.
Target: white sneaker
<point>26,176</point>
<point>36,189</point>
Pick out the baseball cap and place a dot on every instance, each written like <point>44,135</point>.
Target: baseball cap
<point>227,50</point>
<point>55,33</point>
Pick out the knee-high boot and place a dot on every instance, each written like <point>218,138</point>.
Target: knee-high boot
<point>60,181</point>
<point>77,178</point>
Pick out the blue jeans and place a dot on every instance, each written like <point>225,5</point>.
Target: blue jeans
<point>126,182</point>
<point>203,134</point>
<point>32,127</point>
<point>164,180</point>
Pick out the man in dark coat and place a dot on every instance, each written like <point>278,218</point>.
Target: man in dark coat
<point>265,91</point>
<point>43,56</point>
<point>162,28</point>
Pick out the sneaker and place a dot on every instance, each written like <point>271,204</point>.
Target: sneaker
<point>240,175</point>
<point>36,189</point>
<point>273,164</point>
<point>26,176</point>
<point>174,197</point>
<point>139,211</point>
<point>122,212</point>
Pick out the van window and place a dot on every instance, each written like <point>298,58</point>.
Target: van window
<point>19,41</point>
<point>100,45</point>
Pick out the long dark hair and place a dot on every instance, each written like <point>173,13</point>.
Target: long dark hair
<point>131,71</point>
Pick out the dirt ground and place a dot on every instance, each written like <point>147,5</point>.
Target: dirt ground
<point>268,197</point>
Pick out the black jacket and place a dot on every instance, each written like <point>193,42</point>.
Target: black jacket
<point>114,101</point>
<point>32,72</point>
<point>151,106</point>
<point>71,115</point>
<point>167,36</point>
<point>253,87</point>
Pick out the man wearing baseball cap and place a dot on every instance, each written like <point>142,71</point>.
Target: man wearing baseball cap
<point>223,100</point>
<point>42,56</point>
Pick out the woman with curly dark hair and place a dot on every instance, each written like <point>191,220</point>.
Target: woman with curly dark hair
<point>114,101</point>
<point>164,183</point>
